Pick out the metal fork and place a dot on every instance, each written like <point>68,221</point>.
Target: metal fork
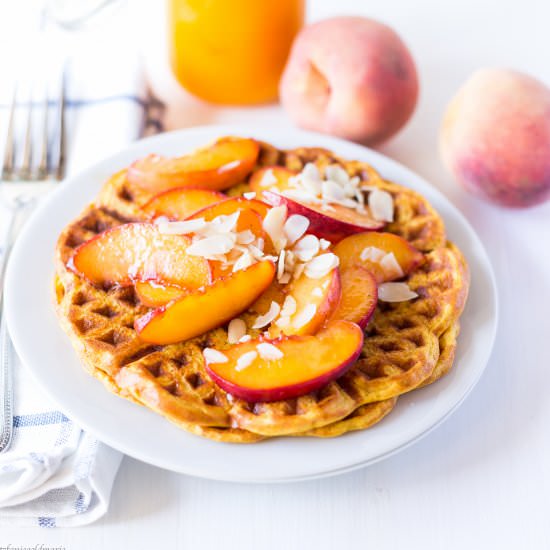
<point>21,187</point>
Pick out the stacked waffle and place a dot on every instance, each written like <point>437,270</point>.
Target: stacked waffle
<point>407,344</point>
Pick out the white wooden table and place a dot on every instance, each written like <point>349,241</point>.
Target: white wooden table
<point>481,480</point>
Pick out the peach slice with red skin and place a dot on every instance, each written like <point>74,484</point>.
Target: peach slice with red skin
<point>180,203</point>
<point>332,225</point>
<point>322,294</point>
<point>262,179</point>
<point>307,363</point>
<point>223,164</point>
<point>359,296</point>
<point>349,252</point>
<point>139,252</point>
<point>202,310</point>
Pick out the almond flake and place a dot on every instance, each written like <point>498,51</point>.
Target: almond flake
<point>161,219</point>
<point>281,264</point>
<point>324,244</point>
<point>268,179</point>
<point>391,266</point>
<point>245,260</point>
<point>245,338</point>
<point>211,246</point>
<point>332,191</point>
<point>225,223</point>
<point>245,360</point>
<point>301,195</point>
<point>295,226</point>
<point>269,352</point>
<point>304,316</point>
<point>273,225</point>
<point>235,330</point>
<point>317,292</point>
<point>372,253</point>
<point>285,278</point>
<point>245,237</point>
<point>321,265</point>
<point>265,319</point>
<point>256,252</point>
<point>249,195</point>
<point>310,171</point>
<point>395,292</point>
<point>298,270</point>
<point>283,321</point>
<point>212,355</point>
<point>181,228</point>
<point>289,306</point>
<point>336,173</point>
<point>306,248</point>
<point>381,205</point>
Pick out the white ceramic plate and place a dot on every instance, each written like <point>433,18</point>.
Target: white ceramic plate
<point>138,432</point>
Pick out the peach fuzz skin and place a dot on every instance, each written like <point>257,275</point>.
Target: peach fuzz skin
<point>495,137</point>
<point>366,93</point>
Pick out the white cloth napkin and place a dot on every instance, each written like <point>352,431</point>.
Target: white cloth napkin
<point>54,474</point>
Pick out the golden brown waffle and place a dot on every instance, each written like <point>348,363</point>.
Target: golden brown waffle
<point>402,350</point>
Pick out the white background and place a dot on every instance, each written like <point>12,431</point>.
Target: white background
<point>482,480</point>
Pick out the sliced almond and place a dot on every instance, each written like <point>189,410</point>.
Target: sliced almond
<point>269,352</point>
<point>381,205</point>
<point>289,306</point>
<point>212,355</point>
<point>268,317</point>
<point>295,226</point>
<point>249,195</point>
<point>372,253</point>
<point>395,292</point>
<point>391,266</point>
<point>336,173</point>
<point>320,266</point>
<point>245,360</point>
<point>273,225</point>
<point>246,237</point>
<point>305,316</point>
<point>306,248</point>
<point>209,247</point>
<point>235,330</point>
<point>245,260</point>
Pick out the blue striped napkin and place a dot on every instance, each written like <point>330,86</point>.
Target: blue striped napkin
<point>54,473</point>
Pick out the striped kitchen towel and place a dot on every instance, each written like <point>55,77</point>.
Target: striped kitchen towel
<point>54,473</point>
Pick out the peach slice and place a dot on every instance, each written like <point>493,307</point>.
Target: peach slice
<point>359,296</point>
<point>332,225</point>
<point>180,203</point>
<point>217,167</point>
<point>313,300</point>
<point>271,177</point>
<point>202,310</point>
<point>273,293</point>
<point>152,294</point>
<point>289,366</point>
<point>139,252</point>
<point>355,250</point>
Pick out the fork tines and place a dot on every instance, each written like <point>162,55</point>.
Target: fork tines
<point>49,138</point>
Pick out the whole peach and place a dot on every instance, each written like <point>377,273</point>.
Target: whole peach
<point>495,137</point>
<point>351,77</point>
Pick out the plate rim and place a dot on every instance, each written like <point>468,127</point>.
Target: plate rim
<point>335,145</point>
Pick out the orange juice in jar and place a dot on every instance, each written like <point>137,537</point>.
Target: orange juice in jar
<point>232,51</point>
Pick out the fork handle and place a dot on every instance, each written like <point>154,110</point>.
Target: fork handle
<point>6,349</point>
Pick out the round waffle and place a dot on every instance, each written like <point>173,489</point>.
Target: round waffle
<point>407,345</point>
